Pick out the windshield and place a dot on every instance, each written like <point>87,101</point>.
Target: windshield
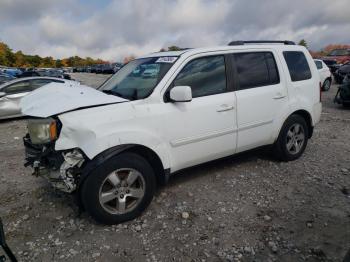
<point>138,78</point>
<point>339,52</point>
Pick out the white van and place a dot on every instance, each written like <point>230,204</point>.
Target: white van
<point>114,145</point>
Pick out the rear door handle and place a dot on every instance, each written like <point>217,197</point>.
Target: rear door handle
<point>225,107</point>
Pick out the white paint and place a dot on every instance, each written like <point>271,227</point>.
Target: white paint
<point>56,98</point>
<point>324,72</point>
<point>182,134</point>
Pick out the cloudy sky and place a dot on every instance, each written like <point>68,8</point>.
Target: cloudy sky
<point>113,29</point>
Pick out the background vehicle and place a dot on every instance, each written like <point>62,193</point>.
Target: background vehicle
<point>53,73</point>
<point>332,65</point>
<point>12,71</point>
<point>343,94</point>
<point>114,145</point>
<point>151,71</point>
<point>5,78</point>
<point>340,56</point>
<point>325,74</point>
<point>29,74</point>
<point>13,91</point>
<point>107,69</point>
<point>342,72</point>
<point>116,67</point>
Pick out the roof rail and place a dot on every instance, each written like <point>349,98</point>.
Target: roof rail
<point>285,42</point>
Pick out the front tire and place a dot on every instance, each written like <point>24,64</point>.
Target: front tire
<point>119,189</point>
<point>292,139</point>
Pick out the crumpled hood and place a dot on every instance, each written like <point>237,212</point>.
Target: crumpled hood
<point>57,98</point>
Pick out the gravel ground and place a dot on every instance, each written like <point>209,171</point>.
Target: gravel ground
<point>244,208</point>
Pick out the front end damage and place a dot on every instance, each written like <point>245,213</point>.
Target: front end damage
<point>62,169</point>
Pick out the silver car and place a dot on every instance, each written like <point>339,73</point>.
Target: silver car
<point>11,93</point>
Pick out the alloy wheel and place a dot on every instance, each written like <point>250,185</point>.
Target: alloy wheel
<point>122,190</point>
<point>295,138</point>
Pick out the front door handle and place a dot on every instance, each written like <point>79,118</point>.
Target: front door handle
<point>279,96</point>
<point>225,107</point>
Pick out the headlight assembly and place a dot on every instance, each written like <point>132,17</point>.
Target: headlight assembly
<point>42,131</point>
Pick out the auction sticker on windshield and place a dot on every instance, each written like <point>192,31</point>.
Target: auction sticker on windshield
<point>166,59</point>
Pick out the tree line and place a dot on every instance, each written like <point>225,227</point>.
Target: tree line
<point>19,59</point>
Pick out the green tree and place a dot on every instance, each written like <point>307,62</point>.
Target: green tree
<point>303,43</point>
<point>7,58</point>
<point>18,59</point>
<point>174,48</point>
<point>58,63</point>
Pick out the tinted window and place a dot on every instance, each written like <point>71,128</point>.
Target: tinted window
<point>256,69</point>
<point>318,64</point>
<point>206,76</point>
<point>40,82</point>
<point>297,64</point>
<point>19,87</point>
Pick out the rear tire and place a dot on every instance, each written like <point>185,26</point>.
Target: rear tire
<point>292,139</point>
<point>120,189</point>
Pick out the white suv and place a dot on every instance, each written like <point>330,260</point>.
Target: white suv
<point>114,145</point>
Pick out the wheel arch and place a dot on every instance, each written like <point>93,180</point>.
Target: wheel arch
<point>150,155</point>
<point>308,119</point>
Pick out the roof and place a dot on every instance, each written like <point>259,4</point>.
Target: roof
<point>194,51</point>
<point>32,78</point>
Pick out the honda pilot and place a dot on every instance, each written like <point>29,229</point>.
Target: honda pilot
<point>113,146</point>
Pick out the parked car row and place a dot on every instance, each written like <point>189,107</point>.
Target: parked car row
<point>28,72</point>
<point>338,61</point>
<point>99,68</point>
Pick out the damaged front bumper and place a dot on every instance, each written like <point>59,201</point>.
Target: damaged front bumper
<point>61,168</point>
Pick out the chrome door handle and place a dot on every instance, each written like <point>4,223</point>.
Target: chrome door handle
<point>224,108</point>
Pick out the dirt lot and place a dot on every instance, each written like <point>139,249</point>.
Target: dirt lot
<point>244,208</point>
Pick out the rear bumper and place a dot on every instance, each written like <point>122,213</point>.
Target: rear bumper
<point>317,110</point>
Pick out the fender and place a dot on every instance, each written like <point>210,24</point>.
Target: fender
<point>285,116</point>
<point>99,159</point>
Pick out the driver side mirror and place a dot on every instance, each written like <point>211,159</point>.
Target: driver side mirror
<point>181,94</point>
<point>2,94</point>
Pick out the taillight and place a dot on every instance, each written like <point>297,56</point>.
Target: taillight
<point>320,92</point>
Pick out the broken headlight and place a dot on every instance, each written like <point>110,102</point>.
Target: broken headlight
<point>42,131</point>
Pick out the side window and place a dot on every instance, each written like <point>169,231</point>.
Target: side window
<point>39,83</point>
<point>256,69</point>
<point>318,64</point>
<point>297,64</point>
<point>206,76</point>
<point>19,87</point>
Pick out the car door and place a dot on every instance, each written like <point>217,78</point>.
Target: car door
<point>9,104</point>
<point>261,97</point>
<point>204,128</point>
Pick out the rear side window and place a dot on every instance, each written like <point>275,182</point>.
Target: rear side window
<point>318,64</point>
<point>256,69</point>
<point>297,64</point>
<point>40,82</point>
<point>18,87</point>
<point>206,76</point>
